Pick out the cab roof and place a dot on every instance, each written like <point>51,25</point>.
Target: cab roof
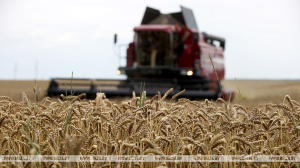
<point>164,28</point>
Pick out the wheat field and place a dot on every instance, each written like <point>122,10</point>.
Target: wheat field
<point>253,92</point>
<point>141,126</point>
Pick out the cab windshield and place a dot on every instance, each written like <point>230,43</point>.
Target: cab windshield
<point>153,48</point>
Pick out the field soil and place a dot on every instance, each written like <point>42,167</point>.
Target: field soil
<point>253,92</point>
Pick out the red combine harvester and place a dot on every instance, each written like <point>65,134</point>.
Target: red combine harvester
<point>168,51</point>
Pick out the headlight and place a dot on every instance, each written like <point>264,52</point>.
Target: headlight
<point>118,72</point>
<point>186,72</point>
<point>189,73</point>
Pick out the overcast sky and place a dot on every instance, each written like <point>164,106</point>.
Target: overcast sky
<point>45,39</point>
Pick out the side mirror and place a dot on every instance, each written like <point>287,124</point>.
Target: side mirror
<point>115,39</point>
<point>195,37</point>
<point>223,45</point>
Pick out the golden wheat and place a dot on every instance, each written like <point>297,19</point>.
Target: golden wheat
<point>101,127</point>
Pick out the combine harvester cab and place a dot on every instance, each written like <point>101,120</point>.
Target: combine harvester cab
<point>168,51</point>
